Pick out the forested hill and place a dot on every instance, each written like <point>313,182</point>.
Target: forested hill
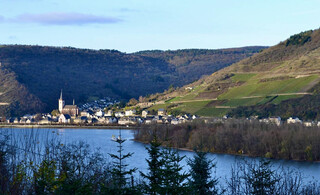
<point>31,77</point>
<point>191,64</point>
<point>288,70</point>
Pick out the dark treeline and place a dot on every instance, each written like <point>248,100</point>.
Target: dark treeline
<point>244,137</point>
<point>28,166</point>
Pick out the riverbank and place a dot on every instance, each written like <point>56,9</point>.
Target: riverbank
<point>69,126</point>
<point>241,138</point>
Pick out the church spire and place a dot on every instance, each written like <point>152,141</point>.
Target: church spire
<point>73,102</point>
<point>61,95</point>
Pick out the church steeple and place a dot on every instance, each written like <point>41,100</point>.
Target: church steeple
<point>61,103</point>
<point>61,95</point>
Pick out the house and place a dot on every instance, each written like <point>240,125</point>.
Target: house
<point>99,113</point>
<point>148,120</point>
<point>144,113</point>
<point>64,118</point>
<point>161,112</point>
<point>139,120</point>
<point>275,120</point>
<point>23,120</point>
<point>194,117</point>
<point>16,120</point>
<point>308,124</point>
<point>101,120</point>
<point>175,121</point>
<point>111,120</point>
<point>109,113</point>
<point>293,120</point>
<point>271,120</point>
<point>119,114</point>
<point>130,112</point>
<point>158,119</point>
<point>127,121</point>
<point>45,121</point>
<point>30,120</point>
<point>80,120</point>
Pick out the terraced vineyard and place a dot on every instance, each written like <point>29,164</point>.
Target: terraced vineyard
<point>277,74</point>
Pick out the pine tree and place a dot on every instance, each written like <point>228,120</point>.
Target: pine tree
<point>201,182</point>
<point>155,163</point>
<point>262,179</point>
<point>174,182</point>
<point>119,172</point>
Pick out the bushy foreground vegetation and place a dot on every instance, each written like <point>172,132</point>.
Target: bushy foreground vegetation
<point>28,167</point>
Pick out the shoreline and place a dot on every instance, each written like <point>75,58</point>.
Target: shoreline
<point>239,155</point>
<point>106,127</point>
<point>109,127</point>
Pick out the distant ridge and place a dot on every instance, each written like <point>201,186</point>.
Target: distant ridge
<point>32,76</point>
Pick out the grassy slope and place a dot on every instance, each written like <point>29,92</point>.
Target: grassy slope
<point>279,73</point>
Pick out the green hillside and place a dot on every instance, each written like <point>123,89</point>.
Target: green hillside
<point>32,76</point>
<point>289,70</point>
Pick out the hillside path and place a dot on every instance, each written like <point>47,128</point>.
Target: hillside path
<point>199,100</point>
<point>247,97</point>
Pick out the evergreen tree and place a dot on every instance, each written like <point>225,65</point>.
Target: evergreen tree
<point>155,163</point>
<point>261,179</point>
<point>201,181</point>
<point>119,172</point>
<point>174,182</point>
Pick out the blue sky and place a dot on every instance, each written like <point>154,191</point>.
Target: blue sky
<point>134,25</point>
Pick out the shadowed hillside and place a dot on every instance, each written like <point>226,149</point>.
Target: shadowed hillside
<point>36,74</point>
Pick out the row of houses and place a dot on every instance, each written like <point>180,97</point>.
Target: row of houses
<point>126,120</point>
<point>290,120</point>
<point>104,119</point>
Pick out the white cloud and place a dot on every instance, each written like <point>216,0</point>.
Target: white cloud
<point>62,18</point>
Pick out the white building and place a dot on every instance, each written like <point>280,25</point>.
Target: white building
<point>109,113</point>
<point>127,121</point>
<point>275,120</point>
<point>308,124</point>
<point>145,113</point>
<point>161,112</point>
<point>293,120</point>
<point>130,112</point>
<point>100,113</point>
<point>64,118</point>
<point>119,114</point>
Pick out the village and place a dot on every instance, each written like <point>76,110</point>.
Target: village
<point>100,113</point>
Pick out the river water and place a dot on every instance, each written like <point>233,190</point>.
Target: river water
<point>101,138</point>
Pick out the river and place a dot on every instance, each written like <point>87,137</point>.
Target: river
<point>101,138</point>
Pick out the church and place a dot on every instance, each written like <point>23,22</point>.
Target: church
<point>71,110</point>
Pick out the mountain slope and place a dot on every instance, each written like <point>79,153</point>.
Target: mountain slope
<point>192,64</point>
<point>287,70</point>
<point>36,75</point>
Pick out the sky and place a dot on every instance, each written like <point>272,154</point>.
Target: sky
<point>135,25</point>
